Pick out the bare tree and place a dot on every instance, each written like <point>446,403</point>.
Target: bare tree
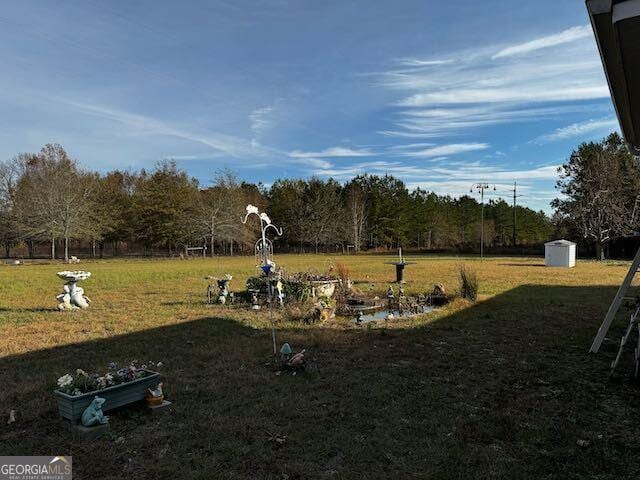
<point>356,203</point>
<point>601,190</point>
<point>220,210</point>
<point>54,198</point>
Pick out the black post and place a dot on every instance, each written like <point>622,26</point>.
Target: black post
<point>399,272</point>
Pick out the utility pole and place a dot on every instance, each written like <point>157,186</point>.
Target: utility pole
<point>481,187</point>
<point>515,196</point>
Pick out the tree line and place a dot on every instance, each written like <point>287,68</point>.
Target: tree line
<point>46,197</point>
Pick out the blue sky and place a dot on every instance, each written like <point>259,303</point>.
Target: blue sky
<point>440,94</point>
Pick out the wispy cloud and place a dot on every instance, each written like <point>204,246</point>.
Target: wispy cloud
<point>259,119</point>
<point>444,150</point>
<point>316,163</point>
<point>479,87</point>
<point>145,125</point>
<point>570,35</point>
<point>333,152</point>
<point>580,129</point>
<point>415,62</point>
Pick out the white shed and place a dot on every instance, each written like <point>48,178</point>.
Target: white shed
<point>560,253</point>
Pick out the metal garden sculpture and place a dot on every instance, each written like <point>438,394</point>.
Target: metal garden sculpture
<point>264,256</point>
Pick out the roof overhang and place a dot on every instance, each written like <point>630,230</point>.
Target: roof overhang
<point>616,24</point>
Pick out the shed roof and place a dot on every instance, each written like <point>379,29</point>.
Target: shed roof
<point>560,243</point>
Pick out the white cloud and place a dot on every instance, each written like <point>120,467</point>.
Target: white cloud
<point>507,94</point>
<point>400,134</point>
<point>144,125</point>
<point>477,88</point>
<point>570,35</point>
<point>333,152</point>
<point>318,163</point>
<point>450,149</point>
<point>414,62</point>
<point>409,146</point>
<point>259,119</point>
<point>580,129</point>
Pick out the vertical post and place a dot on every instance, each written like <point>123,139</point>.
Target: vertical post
<point>481,186</point>
<point>513,240</point>
<point>482,221</point>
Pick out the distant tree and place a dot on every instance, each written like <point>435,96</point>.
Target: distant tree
<point>113,196</point>
<point>10,231</point>
<point>356,212</point>
<point>322,211</point>
<point>388,209</point>
<point>164,206</point>
<point>219,210</point>
<point>468,212</point>
<point>286,209</point>
<point>600,184</point>
<point>54,198</point>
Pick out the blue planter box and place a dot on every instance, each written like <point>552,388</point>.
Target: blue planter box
<point>72,406</point>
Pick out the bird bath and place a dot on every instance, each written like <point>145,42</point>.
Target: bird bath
<point>400,264</point>
<point>72,296</point>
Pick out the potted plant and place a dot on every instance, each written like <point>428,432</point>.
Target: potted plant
<point>119,387</point>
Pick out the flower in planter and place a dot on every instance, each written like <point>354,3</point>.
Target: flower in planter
<point>83,382</point>
<point>65,381</point>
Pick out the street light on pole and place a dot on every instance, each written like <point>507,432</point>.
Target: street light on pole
<point>481,187</point>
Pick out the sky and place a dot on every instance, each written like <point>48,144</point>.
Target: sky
<point>439,94</point>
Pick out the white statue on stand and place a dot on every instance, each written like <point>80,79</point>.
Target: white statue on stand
<point>72,296</point>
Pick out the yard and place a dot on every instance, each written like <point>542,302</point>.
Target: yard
<point>503,388</point>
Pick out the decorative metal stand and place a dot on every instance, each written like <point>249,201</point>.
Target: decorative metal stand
<point>264,257</point>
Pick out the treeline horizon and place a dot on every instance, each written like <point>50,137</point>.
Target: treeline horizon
<point>46,198</point>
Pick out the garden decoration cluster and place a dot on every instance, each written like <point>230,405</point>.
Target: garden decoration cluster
<point>223,293</point>
<point>72,296</point>
<point>83,396</point>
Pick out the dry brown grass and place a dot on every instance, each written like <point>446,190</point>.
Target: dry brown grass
<point>499,389</point>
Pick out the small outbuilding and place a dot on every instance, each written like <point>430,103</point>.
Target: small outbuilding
<point>560,253</point>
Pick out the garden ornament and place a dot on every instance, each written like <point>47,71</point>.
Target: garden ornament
<point>155,396</point>
<point>72,296</point>
<point>286,351</point>
<point>93,415</point>
<point>297,359</point>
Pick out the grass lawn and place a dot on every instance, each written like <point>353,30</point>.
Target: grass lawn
<point>502,388</point>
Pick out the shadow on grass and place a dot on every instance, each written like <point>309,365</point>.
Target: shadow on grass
<point>537,265</point>
<point>28,310</point>
<point>501,389</point>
